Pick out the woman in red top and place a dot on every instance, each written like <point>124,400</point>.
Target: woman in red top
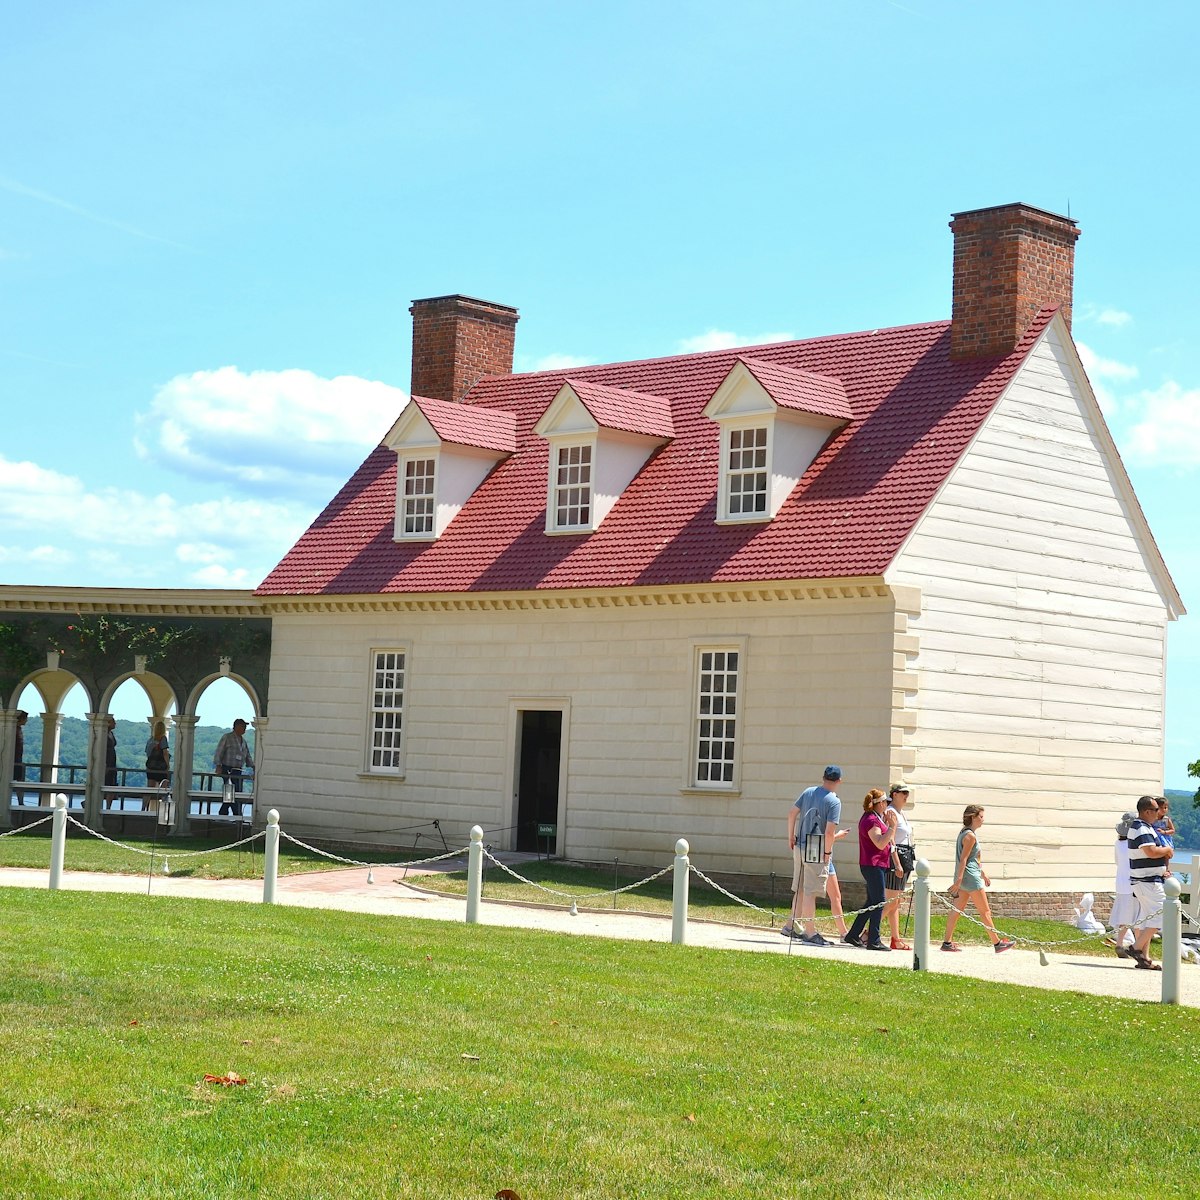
<point>876,833</point>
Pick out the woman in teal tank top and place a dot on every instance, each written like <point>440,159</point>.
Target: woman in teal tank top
<point>970,882</point>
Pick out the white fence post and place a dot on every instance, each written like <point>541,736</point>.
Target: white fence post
<point>58,841</point>
<point>679,898</point>
<point>270,856</point>
<point>1172,940</point>
<point>921,893</point>
<point>474,875</point>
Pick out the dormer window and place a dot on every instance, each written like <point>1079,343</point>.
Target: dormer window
<point>746,467</point>
<point>774,421</point>
<point>600,438</point>
<point>418,498</point>
<point>573,487</point>
<point>444,451</point>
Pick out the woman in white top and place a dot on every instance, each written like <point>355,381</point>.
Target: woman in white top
<point>1124,909</point>
<point>897,878</point>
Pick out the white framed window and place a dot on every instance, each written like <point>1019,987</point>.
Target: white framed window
<point>746,473</point>
<point>571,486</point>
<point>385,752</point>
<point>715,720</point>
<point>417,498</point>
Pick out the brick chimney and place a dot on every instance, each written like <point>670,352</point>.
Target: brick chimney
<point>1009,262</point>
<point>458,340</point>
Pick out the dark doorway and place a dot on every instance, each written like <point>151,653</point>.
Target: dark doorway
<point>537,780</point>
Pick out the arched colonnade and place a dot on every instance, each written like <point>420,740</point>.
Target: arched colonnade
<point>171,650</point>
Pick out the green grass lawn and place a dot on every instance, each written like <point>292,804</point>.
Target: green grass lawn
<point>85,853</point>
<point>391,1057</point>
<point>587,885</point>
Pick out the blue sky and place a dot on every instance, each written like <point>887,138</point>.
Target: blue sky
<point>213,218</point>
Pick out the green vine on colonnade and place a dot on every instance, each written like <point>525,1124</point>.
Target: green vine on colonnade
<point>99,648</point>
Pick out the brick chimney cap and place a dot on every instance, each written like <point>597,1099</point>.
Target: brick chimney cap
<point>457,300</point>
<point>1016,205</point>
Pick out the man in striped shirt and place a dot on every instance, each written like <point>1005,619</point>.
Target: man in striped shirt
<point>1148,859</point>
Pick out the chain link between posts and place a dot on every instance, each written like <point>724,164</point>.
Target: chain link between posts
<point>354,862</point>
<point>162,850</point>
<point>575,899</point>
<point>26,828</point>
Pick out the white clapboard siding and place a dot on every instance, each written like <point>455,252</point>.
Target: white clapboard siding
<point>818,676</point>
<point>1041,638</point>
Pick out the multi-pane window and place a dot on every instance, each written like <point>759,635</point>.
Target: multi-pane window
<point>387,711</point>
<point>573,488</point>
<point>716,717</point>
<point>418,496</point>
<point>747,471</point>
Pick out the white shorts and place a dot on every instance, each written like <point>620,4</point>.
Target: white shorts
<point>1150,898</point>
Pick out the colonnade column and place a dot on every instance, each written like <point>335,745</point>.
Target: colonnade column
<point>8,757</point>
<point>182,753</point>
<point>97,756</point>
<point>259,725</point>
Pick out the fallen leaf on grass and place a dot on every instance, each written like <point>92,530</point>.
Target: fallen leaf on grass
<point>506,1194</point>
<point>229,1079</point>
<point>882,1029</point>
<point>135,1023</point>
<point>469,1057</point>
<point>691,1117</point>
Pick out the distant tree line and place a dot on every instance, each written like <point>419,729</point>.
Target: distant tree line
<point>1187,819</point>
<point>131,743</point>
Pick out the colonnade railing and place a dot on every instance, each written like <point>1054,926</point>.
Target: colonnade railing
<point>1172,913</point>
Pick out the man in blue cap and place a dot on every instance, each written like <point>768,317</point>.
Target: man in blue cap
<point>812,825</point>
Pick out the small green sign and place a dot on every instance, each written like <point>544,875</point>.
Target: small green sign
<point>547,831</point>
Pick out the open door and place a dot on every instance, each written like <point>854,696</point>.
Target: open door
<point>539,767</point>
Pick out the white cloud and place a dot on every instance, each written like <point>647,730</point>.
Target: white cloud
<point>215,576</point>
<point>130,536</point>
<point>1166,431</point>
<point>34,554</point>
<point>279,432</point>
<point>1102,370</point>
<point>553,362</point>
<point>1113,317</point>
<point>721,339</point>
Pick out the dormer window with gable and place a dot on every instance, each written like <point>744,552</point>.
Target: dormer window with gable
<point>746,464</point>
<point>417,503</point>
<point>774,421</point>
<point>444,451</point>
<point>572,500</point>
<point>600,438</point>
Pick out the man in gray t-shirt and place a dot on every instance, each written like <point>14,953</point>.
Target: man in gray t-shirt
<point>812,824</point>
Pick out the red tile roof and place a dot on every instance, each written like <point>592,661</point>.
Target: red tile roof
<point>620,408</point>
<point>801,390</point>
<point>467,425</point>
<point>914,413</point>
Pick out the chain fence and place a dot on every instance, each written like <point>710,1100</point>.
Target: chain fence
<point>354,862</point>
<point>26,828</point>
<point>575,898</point>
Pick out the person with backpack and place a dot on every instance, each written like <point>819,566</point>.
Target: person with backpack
<point>158,756</point>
